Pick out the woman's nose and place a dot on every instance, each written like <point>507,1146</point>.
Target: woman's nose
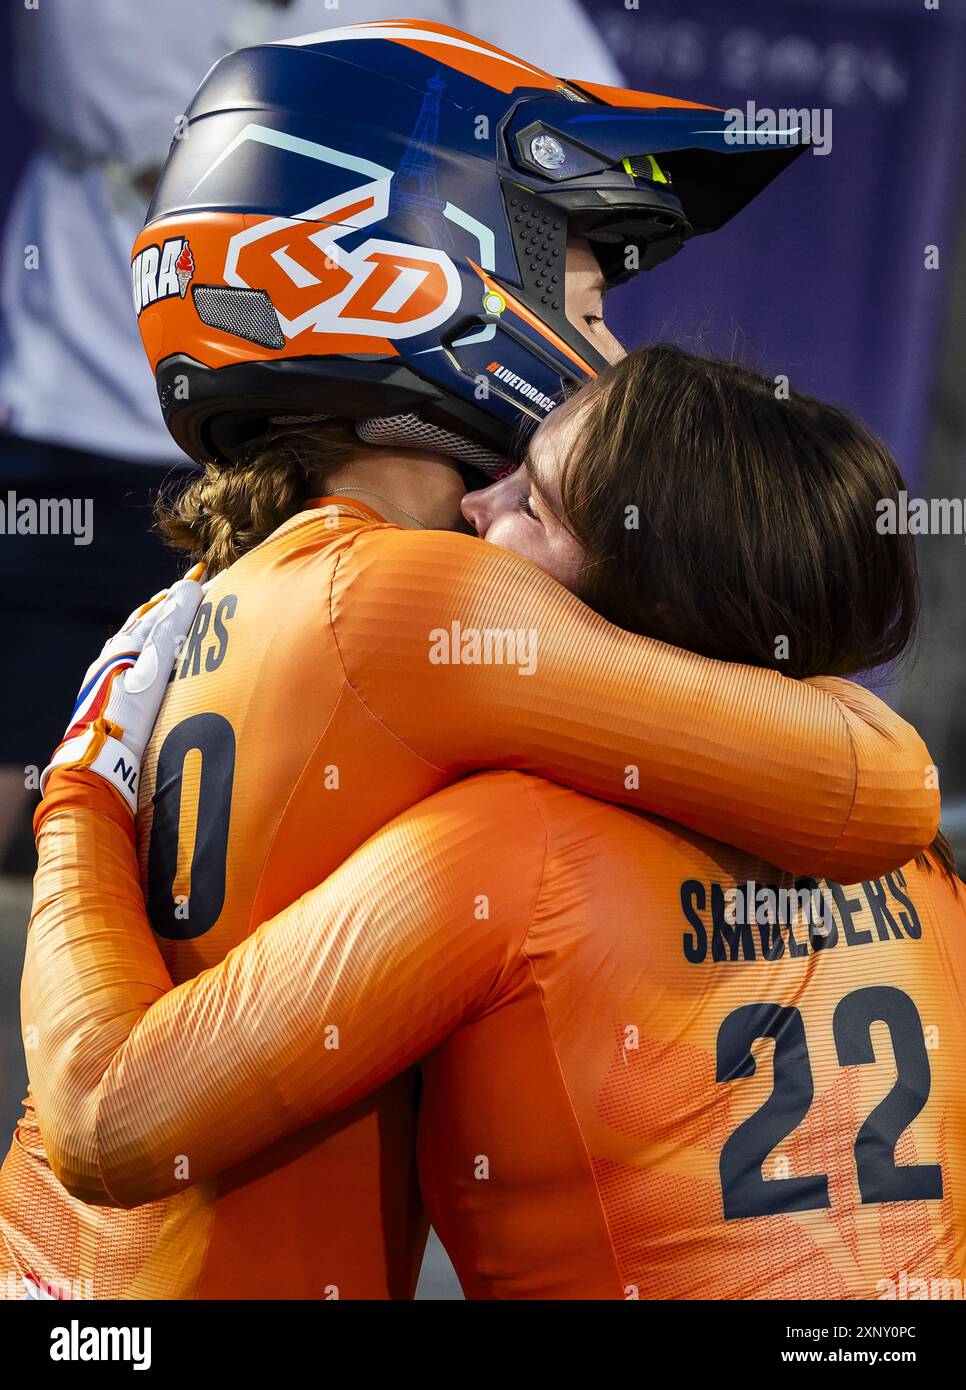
<point>477,509</point>
<point>482,508</point>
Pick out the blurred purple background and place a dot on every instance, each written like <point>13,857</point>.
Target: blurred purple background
<point>823,277</point>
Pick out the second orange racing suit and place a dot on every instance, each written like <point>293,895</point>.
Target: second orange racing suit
<point>652,1067</point>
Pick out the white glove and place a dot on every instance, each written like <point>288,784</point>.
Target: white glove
<point>122,690</point>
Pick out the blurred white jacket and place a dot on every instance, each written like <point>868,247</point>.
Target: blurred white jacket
<point>106,81</point>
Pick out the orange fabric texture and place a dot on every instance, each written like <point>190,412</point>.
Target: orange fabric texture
<point>306,711</point>
<point>625,1094</point>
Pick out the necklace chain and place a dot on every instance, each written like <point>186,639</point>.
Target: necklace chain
<point>382,498</point>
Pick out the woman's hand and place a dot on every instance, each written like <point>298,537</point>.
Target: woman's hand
<point>122,690</point>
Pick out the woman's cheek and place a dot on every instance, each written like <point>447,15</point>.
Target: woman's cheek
<point>501,531</point>
<point>567,559</point>
<point>521,536</point>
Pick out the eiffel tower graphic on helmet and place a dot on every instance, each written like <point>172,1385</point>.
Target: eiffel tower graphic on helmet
<point>414,190</point>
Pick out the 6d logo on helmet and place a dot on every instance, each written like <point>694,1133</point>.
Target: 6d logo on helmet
<point>385,289</point>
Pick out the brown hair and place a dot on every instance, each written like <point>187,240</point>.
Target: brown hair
<point>725,516</point>
<point>717,515</point>
<point>233,507</point>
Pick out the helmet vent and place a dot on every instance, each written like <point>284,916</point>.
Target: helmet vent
<point>247,314</point>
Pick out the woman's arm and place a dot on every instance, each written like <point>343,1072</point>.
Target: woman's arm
<point>141,1088</point>
<point>814,776</point>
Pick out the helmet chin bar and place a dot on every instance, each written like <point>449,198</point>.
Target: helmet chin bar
<point>386,402</point>
<point>611,219</point>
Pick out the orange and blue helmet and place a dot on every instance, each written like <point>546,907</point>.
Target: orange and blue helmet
<point>371,223</point>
